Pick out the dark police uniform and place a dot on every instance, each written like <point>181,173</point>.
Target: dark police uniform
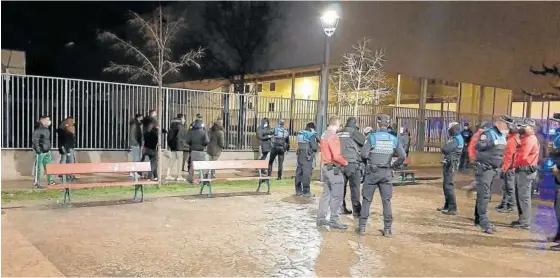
<point>280,144</point>
<point>489,157</point>
<point>555,157</point>
<point>452,154</point>
<point>352,141</point>
<point>378,150</point>
<point>307,148</point>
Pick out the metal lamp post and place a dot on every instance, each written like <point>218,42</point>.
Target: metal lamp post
<point>329,21</point>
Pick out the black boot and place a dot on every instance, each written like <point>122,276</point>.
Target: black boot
<point>361,230</point>
<point>387,232</point>
<point>346,211</point>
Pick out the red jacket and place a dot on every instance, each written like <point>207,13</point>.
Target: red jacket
<point>331,152</point>
<point>528,154</point>
<point>512,145</point>
<point>472,144</point>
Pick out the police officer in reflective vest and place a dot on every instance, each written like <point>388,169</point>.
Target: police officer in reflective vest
<point>489,158</point>
<point>307,148</point>
<point>280,145</point>
<point>555,157</point>
<point>452,154</point>
<point>378,152</point>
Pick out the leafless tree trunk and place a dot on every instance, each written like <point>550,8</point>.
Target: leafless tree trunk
<point>155,59</point>
<point>363,76</point>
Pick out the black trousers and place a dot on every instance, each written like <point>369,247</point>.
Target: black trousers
<point>276,152</point>
<point>464,164</point>
<point>186,161</point>
<point>152,155</point>
<point>353,178</point>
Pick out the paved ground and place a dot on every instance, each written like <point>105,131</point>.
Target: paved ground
<point>266,235</point>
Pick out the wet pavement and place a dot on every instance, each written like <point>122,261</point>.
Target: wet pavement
<point>269,235</point>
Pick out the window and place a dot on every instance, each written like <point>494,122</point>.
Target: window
<point>259,88</point>
<point>247,88</point>
<point>271,107</point>
<point>272,86</point>
<point>250,105</point>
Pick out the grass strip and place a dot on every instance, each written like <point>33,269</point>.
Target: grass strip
<point>10,196</point>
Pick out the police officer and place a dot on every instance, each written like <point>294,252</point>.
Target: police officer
<point>525,164</point>
<point>307,148</point>
<point>280,145</point>
<point>489,157</point>
<point>352,141</point>
<point>378,152</point>
<point>555,156</point>
<point>508,173</point>
<point>467,135</point>
<point>452,154</point>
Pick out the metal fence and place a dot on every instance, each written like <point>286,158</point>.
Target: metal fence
<point>103,110</point>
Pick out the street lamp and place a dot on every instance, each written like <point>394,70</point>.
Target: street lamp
<point>329,21</point>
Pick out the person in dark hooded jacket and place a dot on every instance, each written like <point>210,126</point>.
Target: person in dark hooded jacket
<point>217,143</point>
<point>264,134</point>
<point>150,148</point>
<point>306,150</point>
<point>351,142</point>
<point>197,139</point>
<point>176,141</point>
<point>67,143</point>
<point>42,145</point>
<point>404,139</point>
<point>135,137</point>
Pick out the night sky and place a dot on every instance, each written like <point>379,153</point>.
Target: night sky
<point>43,29</point>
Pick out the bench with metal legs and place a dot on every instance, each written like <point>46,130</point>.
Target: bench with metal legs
<point>203,167</point>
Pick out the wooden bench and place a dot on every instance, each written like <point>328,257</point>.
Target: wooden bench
<point>98,168</point>
<point>202,169</point>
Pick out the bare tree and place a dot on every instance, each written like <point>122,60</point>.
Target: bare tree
<point>154,59</point>
<point>237,33</point>
<point>363,75</point>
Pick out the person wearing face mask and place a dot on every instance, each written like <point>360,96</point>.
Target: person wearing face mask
<point>526,165</point>
<point>489,158</point>
<point>264,134</point>
<point>331,176</point>
<point>451,155</point>
<point>41,141</point>
<point>280,145</point>
<point>217,143</point>
<point>467,135</point>
<point>508,173</point>
<point>176,141</point>
<point>378,152</point>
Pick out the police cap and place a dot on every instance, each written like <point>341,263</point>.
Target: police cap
<point>507,119</point>
<point>383,119</point>
<point>528,122</point>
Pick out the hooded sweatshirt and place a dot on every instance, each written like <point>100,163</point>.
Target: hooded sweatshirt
<point>351,141</point>
<point>217,141</point>
<point>264,134</point>
<point>41,139</point>
<point>197,137</point>
<point>176,136</point>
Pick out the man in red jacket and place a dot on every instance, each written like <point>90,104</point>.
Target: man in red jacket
<point>508,172</point>
<point>332,178</point>
<point>525,164</point>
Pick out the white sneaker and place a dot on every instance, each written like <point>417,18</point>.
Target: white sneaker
<point>169,178</point>
<point>180,179</point>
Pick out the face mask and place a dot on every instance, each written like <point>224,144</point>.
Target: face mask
<point>466,128</point>
<point>183,121</point>
<point>265,124</point>
<point>48,123</point>
<point>505,131</point>
<point>401,130</point>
